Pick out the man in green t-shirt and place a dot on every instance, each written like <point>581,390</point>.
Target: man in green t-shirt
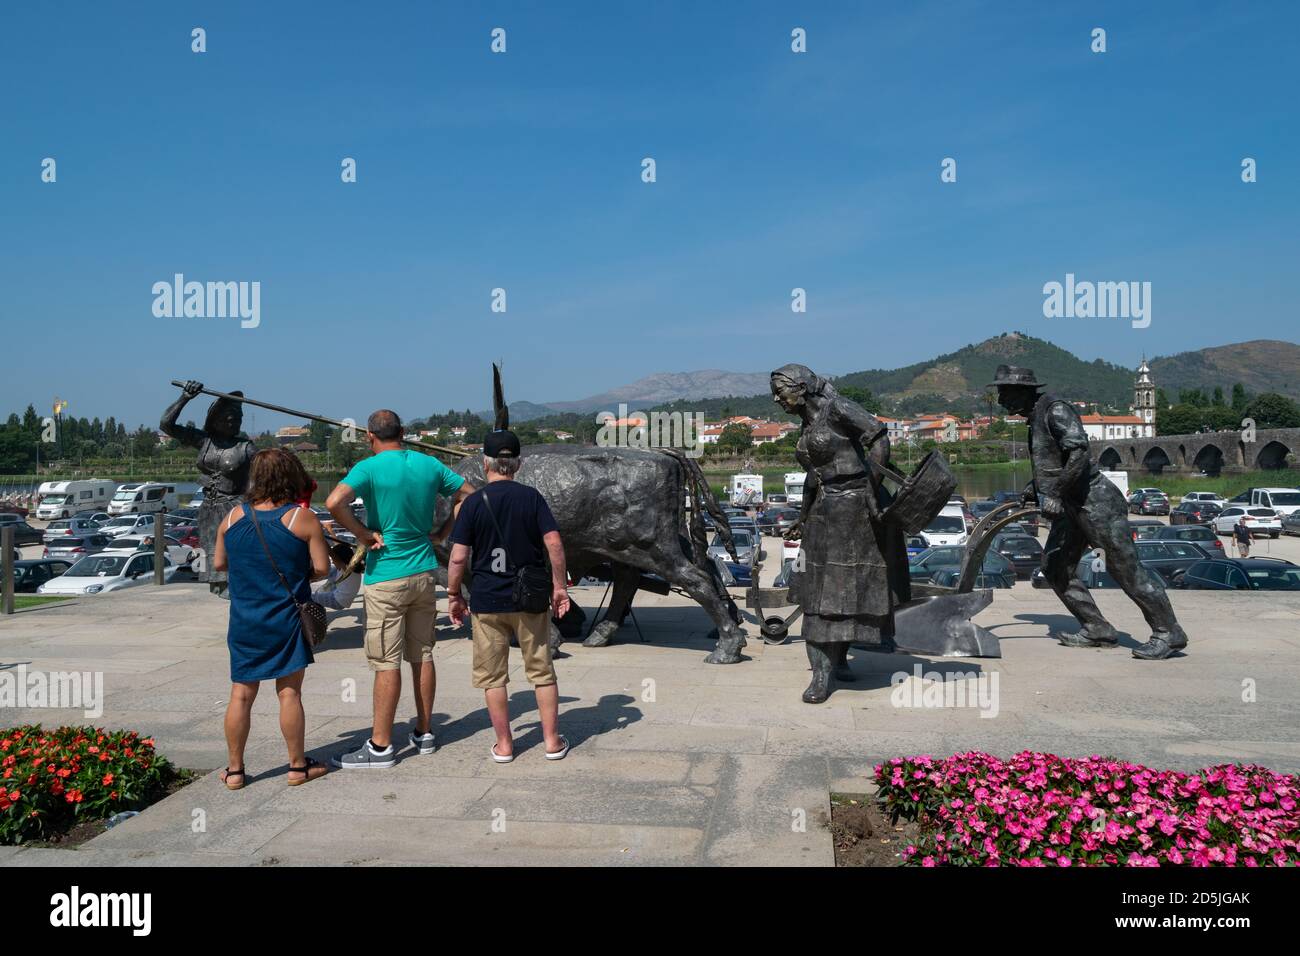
<point>400,489</point>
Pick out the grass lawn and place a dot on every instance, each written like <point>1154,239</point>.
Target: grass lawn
<point>36,600</point>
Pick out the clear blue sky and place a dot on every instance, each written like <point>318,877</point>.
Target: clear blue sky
<point>522,171</point>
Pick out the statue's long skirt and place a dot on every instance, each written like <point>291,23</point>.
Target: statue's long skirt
<point>844,588</point>
<point>212,512</point>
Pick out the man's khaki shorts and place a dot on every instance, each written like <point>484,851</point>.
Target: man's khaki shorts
<point>400,616</point>
<point>492,633</point>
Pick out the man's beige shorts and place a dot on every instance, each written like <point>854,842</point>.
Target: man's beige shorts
<point>400,617</point>
<point>492,633</point>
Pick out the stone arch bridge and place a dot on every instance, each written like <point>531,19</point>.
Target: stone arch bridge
<point>1210,452</point>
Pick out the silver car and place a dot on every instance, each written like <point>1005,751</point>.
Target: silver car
<point>69,527</point>
<point>746,547</point>
<point>75,547</point>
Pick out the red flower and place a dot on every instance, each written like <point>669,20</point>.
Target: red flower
<point>108,778</point>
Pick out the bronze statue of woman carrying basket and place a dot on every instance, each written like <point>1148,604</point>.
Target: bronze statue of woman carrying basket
<point>852,571</point>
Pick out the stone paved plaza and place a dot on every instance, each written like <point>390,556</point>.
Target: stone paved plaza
<point>674,761</point>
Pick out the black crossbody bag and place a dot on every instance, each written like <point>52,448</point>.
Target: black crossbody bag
<point>532,587</point>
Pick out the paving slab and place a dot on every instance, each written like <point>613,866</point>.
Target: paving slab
<point>675,762</point>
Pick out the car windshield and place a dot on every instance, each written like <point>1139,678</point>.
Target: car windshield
<point>121,523</point>
<point>946,524</point>
<point>126,496</point>
<point>57,500</point>
<point>98,566</point>
<point>1274,579</point>
<point>1285,498</point>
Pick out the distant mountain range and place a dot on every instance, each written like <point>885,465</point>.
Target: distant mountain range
<point>957,379</point>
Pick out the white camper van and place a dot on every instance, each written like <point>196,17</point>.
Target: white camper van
<point>63,499</point>
<point>794,488</point>
<point>746,490</point>
<point>144,497</point>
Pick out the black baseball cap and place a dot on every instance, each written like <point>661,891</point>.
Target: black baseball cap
<point>501,444</point>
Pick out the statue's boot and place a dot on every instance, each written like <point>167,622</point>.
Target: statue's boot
<point>843,672</point>
<point>1090,635</point>
<point>822,659</point>
<point>1161,645</point>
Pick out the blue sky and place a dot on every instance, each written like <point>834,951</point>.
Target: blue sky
<point>522,171</point>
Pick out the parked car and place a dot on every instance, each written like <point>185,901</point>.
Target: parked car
<point>73,548</point>
<point>980,508</point>
<point>99,517</point>
<point>1205,498</point>
<point>1291,523</point>
<point>12,512</point>
<point>128,524</point>
<point>25,533</point>
<point>1194,512</point>
<point>192,514</point>
<point>915,545</point>
<point>750,527</point>
<point>1200,535</point>
<point>1023,552</point>
<point>1170,559</point>
<point>1260,521</point>
<point>1242,574</point>
<point>1282,500</point>
<point>746,548</point>
<point>735,575</point>
<point>180,555</point>
<point>777,499</point>
<point>1091,570</point>
<point>101,573</point>
<point>948,527</point>
<point>1149,503</point>
<point>31,574</point>
<point>996,571</point>
<point>76,527</point>
<point>186,534</point>
<point>1145,527</point>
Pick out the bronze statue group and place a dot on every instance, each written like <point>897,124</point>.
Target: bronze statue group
<point>853,573</point>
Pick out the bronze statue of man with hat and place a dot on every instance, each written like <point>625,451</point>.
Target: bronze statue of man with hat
<point>1085,510</point>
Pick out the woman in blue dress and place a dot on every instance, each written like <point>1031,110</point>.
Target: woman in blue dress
<point>265,633</point>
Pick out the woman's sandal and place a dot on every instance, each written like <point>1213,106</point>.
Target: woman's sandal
<point>228,773</point>
<point>310,771</point>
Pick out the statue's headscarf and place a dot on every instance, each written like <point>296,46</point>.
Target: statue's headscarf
<point>220,407</point>
<point>813,384</point>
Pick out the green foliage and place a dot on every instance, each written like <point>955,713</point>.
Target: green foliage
<point>1272,410</point>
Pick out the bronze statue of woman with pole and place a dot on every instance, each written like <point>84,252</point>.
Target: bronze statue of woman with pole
<point>224,459</point>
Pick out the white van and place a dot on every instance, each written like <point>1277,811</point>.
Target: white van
<point>794,488</point>
<point>145,497</point>
<point>745,490</point>
<point>948,527</point>
<point>63,499</point>
<point>1282,500</point>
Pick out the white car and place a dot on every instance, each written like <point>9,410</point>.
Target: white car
<point>107,571</point>
<point>1208,497</point>
<point>1258,520</point>
<point>127,524</point>
<point>177,553</point>
<point>948,527</point>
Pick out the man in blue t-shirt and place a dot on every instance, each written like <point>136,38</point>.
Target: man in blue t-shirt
<point>501,528</point>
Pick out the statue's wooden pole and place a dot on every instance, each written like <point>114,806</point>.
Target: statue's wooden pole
<point>441,449</point>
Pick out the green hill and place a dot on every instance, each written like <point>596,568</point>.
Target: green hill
<point>1262,365</point>
<point>958,379</point>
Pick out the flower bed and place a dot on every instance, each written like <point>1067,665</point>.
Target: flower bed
<point>1042,810</point>
<point>52,780</point>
